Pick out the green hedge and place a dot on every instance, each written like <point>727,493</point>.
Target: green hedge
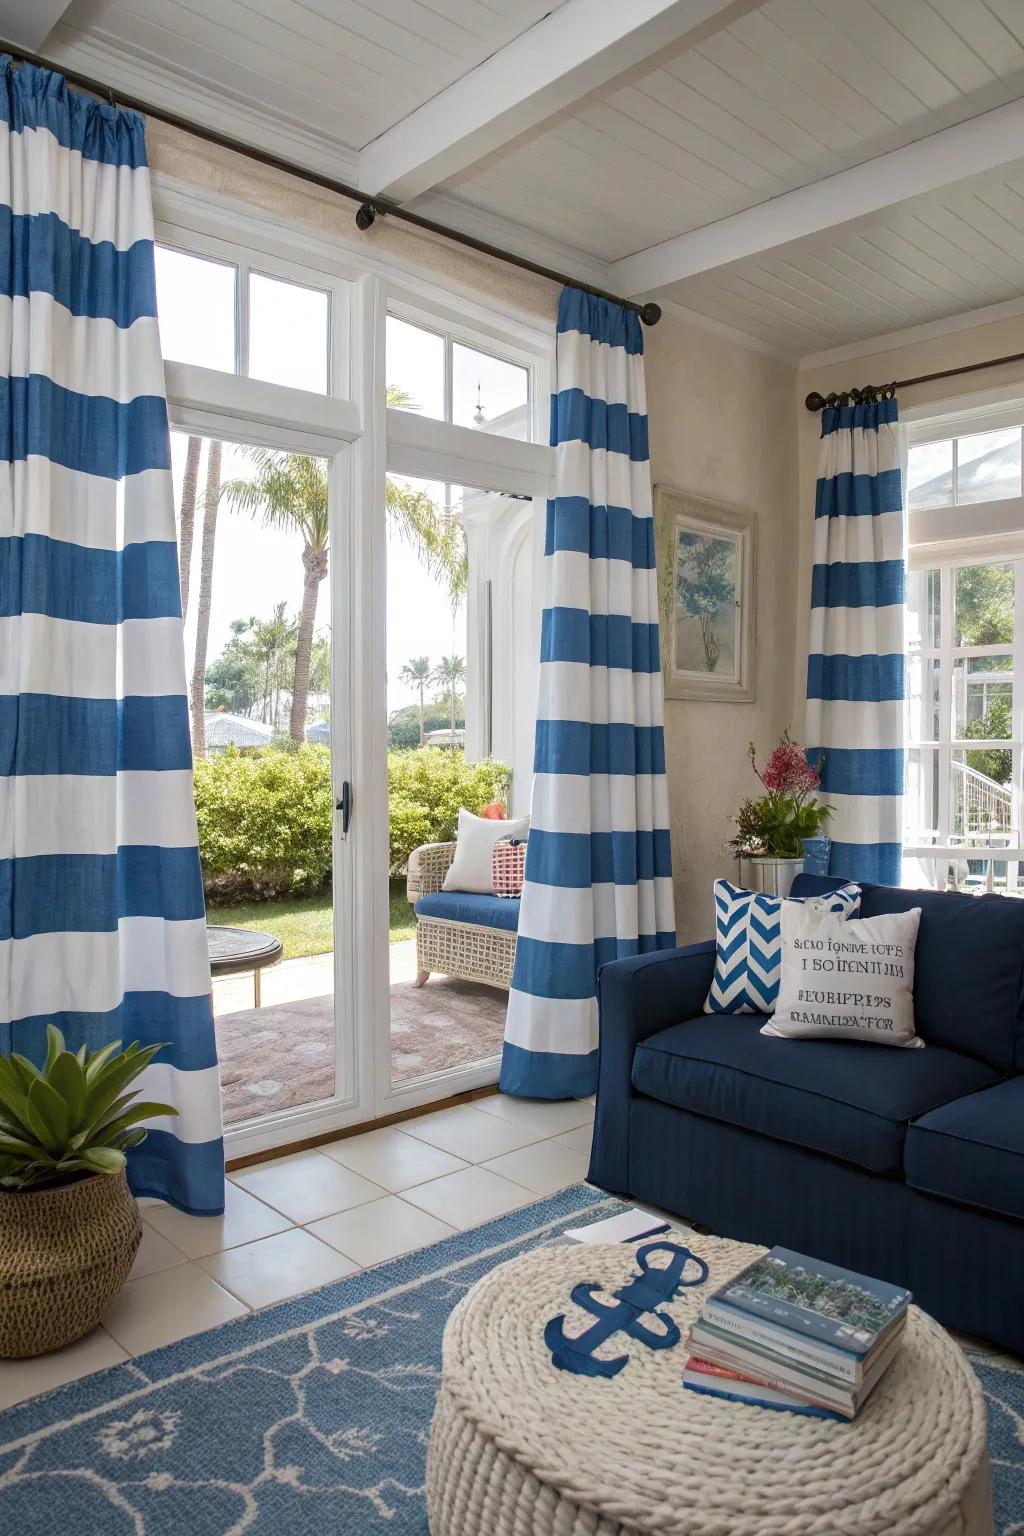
<point>266,817</point>
<point>426,788</point>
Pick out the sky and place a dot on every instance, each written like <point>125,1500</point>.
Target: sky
<point>256,567</point>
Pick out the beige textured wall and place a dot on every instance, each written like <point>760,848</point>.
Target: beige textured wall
<point>722,425</point>
<point>221,171</point>
<point>974,344</point>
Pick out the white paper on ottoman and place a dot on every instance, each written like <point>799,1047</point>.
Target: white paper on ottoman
<point>518,1447</point>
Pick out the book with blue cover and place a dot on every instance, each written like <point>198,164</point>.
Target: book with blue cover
<point>847,1311</point>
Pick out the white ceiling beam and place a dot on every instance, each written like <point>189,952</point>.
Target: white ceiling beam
<point>28,23</point>
<point>584,46</point>
<point>981,144</point>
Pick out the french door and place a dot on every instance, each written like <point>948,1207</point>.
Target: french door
<point>266,590</point>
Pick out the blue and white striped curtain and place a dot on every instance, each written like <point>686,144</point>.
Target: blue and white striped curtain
<point>102,925</point>
<point>856,671</point>
<point>598,862</point>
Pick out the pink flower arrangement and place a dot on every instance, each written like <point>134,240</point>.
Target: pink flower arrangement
<point>775,824</point>
<point>787,771</point>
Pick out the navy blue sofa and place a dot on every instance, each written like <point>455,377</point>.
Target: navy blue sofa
<point>907,1165</point>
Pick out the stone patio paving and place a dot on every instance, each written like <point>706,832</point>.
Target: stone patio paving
<point>282,1055</point>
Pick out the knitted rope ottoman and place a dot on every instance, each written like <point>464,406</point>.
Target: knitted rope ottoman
<point>519,1447</point>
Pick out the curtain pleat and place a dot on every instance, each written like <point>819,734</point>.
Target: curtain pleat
<point>856,670</point>
<point>102,922</point>
<point>598,865</point>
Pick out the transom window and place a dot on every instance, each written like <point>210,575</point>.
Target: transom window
<point>965,658</point>
<point>220,314</point>
<point>440,376</point>
<point>981,466</point>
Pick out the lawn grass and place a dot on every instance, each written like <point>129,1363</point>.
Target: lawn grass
<point>304,924</point>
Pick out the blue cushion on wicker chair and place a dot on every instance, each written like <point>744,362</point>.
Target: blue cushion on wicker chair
<point>469,907</point>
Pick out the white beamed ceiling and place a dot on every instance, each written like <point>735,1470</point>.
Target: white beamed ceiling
<point>340,69</point>
<point>790,93</point>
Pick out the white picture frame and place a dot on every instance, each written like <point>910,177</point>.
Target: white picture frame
<point>706,553</point>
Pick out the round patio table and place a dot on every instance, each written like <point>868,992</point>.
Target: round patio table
<point>242,949</point>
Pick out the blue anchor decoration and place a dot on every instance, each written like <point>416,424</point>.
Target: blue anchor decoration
<point>645,1293</point>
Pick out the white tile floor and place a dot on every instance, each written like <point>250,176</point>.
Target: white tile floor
<point>310,1218</point>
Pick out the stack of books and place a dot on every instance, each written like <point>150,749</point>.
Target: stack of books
<point>792,1332</point>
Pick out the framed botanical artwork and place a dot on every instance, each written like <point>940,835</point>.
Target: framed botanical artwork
<point>706,554</point>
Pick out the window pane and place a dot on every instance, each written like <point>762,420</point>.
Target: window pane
<point>923,695</point>
<point>289,333</point>
<point>981,799</point>
<point>196,303</point>
<point>988,465</point>
<point>921,804</point>
<point>490,394</point>
<point>984,605</point>
<point>930,475</point>
<point>982,703</point>
<point>924,590</point>
<point>414,368</point>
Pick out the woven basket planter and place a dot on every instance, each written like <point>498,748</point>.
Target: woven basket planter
<point>64,1255</point>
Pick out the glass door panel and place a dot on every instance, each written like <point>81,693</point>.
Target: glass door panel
<point>439,746</point>
<point>254,562</point>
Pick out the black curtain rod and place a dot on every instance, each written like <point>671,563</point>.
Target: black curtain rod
<point>370,208</point>
<point>872,392</point>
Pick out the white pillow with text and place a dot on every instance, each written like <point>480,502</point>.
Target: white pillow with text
<point>846,981</point>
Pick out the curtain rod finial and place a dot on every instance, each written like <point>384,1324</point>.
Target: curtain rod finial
<point>650,314</point>
<point>814,401</point>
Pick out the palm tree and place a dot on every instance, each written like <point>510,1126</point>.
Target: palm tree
<point>437,536</point>
<point>417,673</point>
<point>289,490</point>
<point>447,675</point>
<point>187,518</point>
<point>211,502</point>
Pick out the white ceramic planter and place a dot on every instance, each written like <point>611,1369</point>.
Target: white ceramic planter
<point>772,876</point>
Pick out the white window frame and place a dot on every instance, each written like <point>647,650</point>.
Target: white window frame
<point>944,539</point>
<point>363,441</point>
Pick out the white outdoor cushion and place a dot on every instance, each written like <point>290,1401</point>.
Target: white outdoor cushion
<point>847,981</point>
<point>470,870</point>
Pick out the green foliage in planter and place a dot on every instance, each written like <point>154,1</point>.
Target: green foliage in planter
<point>426,789</point>
<point>265,822</point>
<point>772,828</point>
<point>72,1116</point>
<point>775,824</point>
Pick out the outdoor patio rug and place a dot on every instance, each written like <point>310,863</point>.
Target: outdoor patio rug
<point>278,1057</point>
<point>311,1416</point>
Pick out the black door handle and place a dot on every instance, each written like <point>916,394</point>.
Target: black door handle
<point>344,805</point>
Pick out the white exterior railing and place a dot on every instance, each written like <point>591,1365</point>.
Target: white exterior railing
<point>980,804</point>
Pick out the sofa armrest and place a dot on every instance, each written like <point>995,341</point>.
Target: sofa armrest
<point>428,866</point>
<point>636,998</point>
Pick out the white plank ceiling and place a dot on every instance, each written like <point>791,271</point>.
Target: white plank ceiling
<point>792,92</point>
<point>783,96</point>
<point>338,68</point>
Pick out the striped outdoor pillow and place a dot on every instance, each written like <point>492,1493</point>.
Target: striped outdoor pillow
<point>748,939</point>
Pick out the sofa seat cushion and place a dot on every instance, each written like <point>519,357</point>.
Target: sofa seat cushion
<point>972,1150</point>
<point>840,1097</point>
<point>469,907</point>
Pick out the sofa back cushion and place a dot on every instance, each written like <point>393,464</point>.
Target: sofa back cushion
<point>968,969</point>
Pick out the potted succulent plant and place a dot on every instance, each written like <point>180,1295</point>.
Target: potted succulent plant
<point>69,1227</point>
<point>771,828</point>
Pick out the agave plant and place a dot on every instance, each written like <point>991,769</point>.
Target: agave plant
<point>71,1116</point>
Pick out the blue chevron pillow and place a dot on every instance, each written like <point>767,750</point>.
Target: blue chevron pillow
<point>748,939</point>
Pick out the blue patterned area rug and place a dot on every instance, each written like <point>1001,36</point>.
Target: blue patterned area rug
<point>311,1416</point>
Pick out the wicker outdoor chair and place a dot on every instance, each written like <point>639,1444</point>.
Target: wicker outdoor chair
<point>458,933</point>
